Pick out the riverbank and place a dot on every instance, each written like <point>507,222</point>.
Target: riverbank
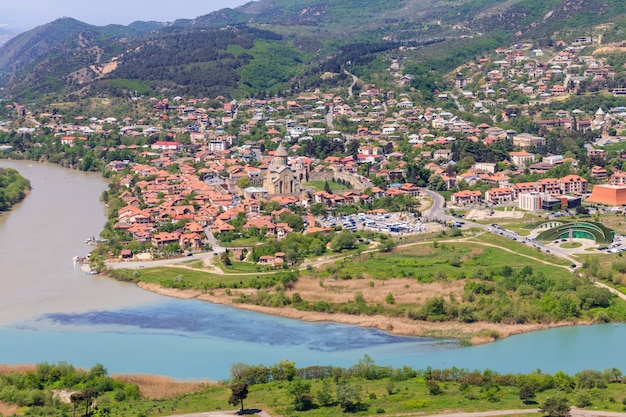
<point>476,333</point>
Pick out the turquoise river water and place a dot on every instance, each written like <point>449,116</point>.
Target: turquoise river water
<point>51,311</point>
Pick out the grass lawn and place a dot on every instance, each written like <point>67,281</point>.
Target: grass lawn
<point>521,248</point>
<point>183,278</point>
<point>242,242</point>
<point>573,245</point>
<point>319,185</point>
<point>432,261</point>
<point>242,267</point>
<point>614,222</point>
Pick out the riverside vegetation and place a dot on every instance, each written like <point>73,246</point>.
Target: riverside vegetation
<point>283,389</point>
<point>442,280</point>
<point>13,188</point>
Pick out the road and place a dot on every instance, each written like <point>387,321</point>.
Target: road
<point>228,413</point>
<point>436,213</point>
<point>354,81</point>
<point>574,412</point>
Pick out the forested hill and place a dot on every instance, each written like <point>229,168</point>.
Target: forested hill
<point>268,46</point>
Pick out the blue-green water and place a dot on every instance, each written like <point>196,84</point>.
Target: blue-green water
<point>193,339</point>
<point>51,311</point>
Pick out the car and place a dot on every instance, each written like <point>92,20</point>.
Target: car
<point>572,266</point>
<point>547,250</point>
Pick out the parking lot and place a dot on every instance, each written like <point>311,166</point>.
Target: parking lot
<point>393,223</point>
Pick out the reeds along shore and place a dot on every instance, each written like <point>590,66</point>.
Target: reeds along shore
<point>476,333</point>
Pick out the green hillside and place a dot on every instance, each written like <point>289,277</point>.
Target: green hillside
<point>281,44</point>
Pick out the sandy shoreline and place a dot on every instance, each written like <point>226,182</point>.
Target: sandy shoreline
<point>392,325</point>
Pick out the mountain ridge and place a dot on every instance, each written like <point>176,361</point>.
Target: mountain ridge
<point>312,35</point>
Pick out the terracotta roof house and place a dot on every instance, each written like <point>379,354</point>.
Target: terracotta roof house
<point>466,197</point>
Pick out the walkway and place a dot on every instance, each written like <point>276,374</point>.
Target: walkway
<point>230,413</point>
<point>575,412</point>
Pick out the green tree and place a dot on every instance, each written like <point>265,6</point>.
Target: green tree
<point>555,407</point>
<point>527,393</point>
<point>343,241</point>
<point>243,182</point>
<point>318,209</point>
<point>349,396</point>
<point>225,258</point>
<point>300,393</point>
<point>283,371</point>
<point>433,387</point>
<point>327,187</point>
<point>324,394</point>
<point>239,392</point>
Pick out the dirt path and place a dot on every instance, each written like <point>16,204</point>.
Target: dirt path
<point>613,290</point>
<point>258,413</point>
<point>575,412</point>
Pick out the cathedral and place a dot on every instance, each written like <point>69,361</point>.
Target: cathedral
<point>282,178</point>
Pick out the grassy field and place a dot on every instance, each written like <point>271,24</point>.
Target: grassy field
<point>370,389</point>
<point>520,248</point>
<point>319,185</point>
<point>572,245</point>
<point>410,397</point>
<point>242,242</point>
<point>185,278</point>
<point>431,261</point>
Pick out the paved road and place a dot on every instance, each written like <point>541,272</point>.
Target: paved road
<point>436,212</point>
<point>355,79</point>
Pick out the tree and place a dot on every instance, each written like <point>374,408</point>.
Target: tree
<point>318,209</point>
<point>324,395</point>
<point>300,393</point>
<point>243,182</point>
<point>555,407</point>
<point>349,396</point>
<point>225,258</point>
<point>527,393</point>
<point>433,387</point>
<point>239,392</point>
<point>327,187</point>
<point>343,240</point>
<point>283,371</point>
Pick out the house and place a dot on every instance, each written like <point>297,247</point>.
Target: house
<point>599,173</point>
<point>618,178</point>
<point>527,141</point>
<point>442,154</point>
<point>163,239</point>
<point>166,146</point>
<point>410,189</point>
<point>549,186</point>
<point>466,197</point>
<point>521,158</point>
<point>573,184</point>
<point>190,241</point>
<point>500,195</point>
